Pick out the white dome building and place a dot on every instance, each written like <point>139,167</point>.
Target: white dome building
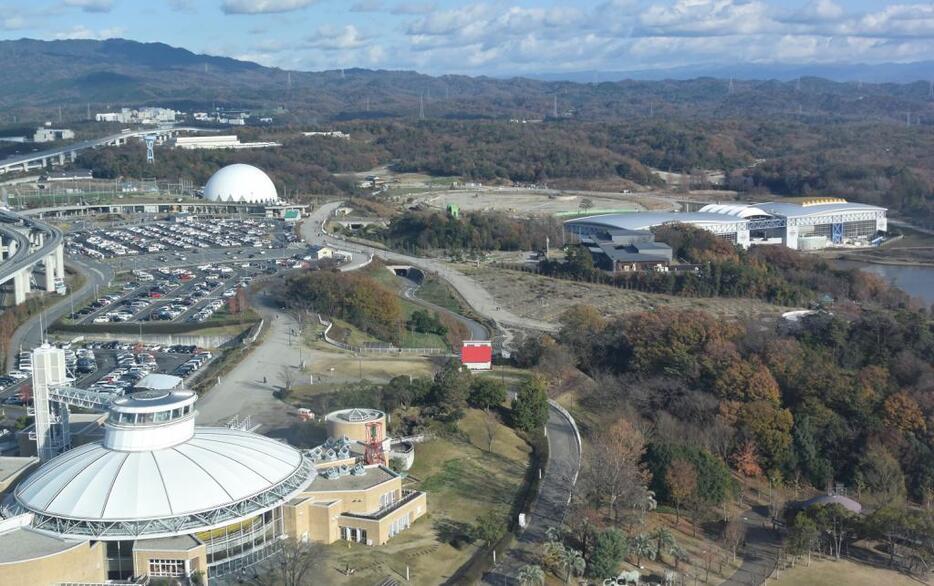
<point>157,496</point>
<point>157,477</point>
<point>240,183</point>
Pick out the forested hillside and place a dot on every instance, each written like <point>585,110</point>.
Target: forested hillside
<point>836,400</point>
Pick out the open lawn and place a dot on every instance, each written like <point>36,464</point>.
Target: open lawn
<point>437,292</point>
<point>463,480</point>
<point>410,339</point>
<point>330,366</point>
<point>840,572</point>
<point>537,297</point>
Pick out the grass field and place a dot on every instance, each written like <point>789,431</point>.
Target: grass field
<point>410,339</point>
<point>463,480</point>
<point>537,297</point>
<point>437,292</point>
<point>840,572</point>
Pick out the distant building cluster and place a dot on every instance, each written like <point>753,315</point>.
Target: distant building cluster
<point>229,141</point>
<point>138,116</point>
<point>46,134</point>
<point>328,133</point>
<point>229,117</point>
<point>42,134</point>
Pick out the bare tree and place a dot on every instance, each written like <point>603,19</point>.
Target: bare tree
<point>491,425</point>
<point>615,471</point>
<point>287,377</point>
<point>295,564</point>
<point>733,535</point>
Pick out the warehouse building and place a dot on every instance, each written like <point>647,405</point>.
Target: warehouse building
<point>620,250</point>
<point>799,223</point>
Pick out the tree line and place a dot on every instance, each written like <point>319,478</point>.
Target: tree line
<point>770,273</point>
<point>422,231</point>
<point>691,407</point>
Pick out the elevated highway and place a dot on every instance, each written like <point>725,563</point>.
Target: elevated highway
<point>68,153</point>
<point>24,243</point>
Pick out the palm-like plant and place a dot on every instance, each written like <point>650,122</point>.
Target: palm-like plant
<point>643,546</point>
<point>531,576</point>
<point>664,541</point>
<point>552,554</point>
<point>553,534</point>
<point>679,553</point>
<point>573,563</point>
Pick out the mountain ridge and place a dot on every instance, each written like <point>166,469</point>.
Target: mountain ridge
<point>73,74</point>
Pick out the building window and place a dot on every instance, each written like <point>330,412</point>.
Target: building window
<point>167,568</point>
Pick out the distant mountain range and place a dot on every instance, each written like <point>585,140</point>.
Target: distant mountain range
<point>858,72</point>
<point>38,77</point>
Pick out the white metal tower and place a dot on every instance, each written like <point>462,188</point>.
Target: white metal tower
<point>48,371</point>
<point>150,144</point>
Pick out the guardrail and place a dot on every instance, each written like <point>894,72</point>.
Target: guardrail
<point>376,349</point>
<point>407,497</point>
<point>251,339</point>
<point>577,436</point>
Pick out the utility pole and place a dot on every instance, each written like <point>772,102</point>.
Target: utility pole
<point>421,106</point>
<point>554,106</point>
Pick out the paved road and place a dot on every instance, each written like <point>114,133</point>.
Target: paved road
<point>759,554</point>
<point>564,450</point>
<point>242,391</point>
<point>551,504</point>
<point>475,295</point>
<point>477,330</point>
<point>30,335</point>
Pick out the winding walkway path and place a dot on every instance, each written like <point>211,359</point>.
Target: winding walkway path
<point>564,447</point>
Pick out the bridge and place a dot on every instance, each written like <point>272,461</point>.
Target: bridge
<point>24,243</point>
<point>68,153</point>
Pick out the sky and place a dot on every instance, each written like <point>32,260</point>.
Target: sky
<point>503,37</point>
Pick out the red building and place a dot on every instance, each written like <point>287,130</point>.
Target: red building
<point>477,354</point>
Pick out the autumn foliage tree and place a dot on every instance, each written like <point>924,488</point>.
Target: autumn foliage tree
<point>351,296</point>
<point>746,460</point>
<point>903,413</point>
<point>681,480</point>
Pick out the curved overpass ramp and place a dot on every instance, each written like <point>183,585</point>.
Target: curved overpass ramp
<point>25,242</point>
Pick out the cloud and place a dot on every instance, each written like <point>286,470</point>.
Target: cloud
<point>333,38</point>
<point>367,6</point>
<point>182,5</point>
<point>82,32</point>
<point>414,8</point>
<point>12,23</point>
<point>263,6</point>
<point>503,37</point>
<point>91,5</point>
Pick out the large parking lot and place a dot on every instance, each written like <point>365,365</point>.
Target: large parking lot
<point>191,294</point>
<point>110,367</point>
<point>180,237</point>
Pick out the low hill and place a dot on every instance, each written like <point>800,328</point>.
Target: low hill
<point>118,72</point>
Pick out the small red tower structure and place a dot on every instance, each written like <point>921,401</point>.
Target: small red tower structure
<point>373,453</point>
